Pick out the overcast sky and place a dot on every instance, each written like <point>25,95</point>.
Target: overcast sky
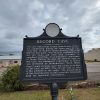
<point>28,17</point>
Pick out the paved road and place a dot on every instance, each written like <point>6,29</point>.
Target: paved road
<point>93,70</point>
<point>93,67</point>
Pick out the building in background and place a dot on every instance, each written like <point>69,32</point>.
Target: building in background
<point>10,60</point>
<point>93,55</point>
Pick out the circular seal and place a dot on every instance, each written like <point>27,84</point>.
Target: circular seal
<point>52,29</point>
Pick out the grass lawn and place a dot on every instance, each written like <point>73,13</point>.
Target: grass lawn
<point>81,94</point>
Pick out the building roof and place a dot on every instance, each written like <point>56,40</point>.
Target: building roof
<point>9,57</point>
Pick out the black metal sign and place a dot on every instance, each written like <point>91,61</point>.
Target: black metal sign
<point>52,59</point>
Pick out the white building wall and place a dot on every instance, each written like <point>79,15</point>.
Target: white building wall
<point>9,61</point>
<point>93,54</point>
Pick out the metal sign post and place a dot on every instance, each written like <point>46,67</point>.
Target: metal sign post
<point>54,91</point>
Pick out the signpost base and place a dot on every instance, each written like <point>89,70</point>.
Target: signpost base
<point>54,91</point>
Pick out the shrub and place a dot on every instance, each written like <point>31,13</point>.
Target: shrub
<point>10,79</point>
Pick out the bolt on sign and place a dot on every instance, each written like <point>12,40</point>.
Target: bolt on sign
<point>52,57</point>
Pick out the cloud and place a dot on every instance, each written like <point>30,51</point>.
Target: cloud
<point>21,17</point>
<point>13,13</point>
<point>12,35</point>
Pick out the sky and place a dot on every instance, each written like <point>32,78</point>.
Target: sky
<point>29,17</point>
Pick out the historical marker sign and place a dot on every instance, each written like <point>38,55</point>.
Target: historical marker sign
<point>49,58</point>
